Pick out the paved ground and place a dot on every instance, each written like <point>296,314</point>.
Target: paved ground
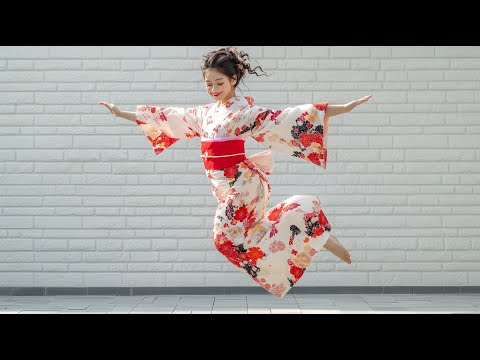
<point>243,304</point>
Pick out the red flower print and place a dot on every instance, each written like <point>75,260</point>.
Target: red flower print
<point>260,137</point>
<point>243,257</point>
<point>153,109</point>
<point>261,116</point>
<point>241,213</point>
<point>162,140</point>
<point>317,138</point>
<point>254,253</point>
<point>221,237</point>
<point>305,139</point>
<point>237,131</point>
<point>321,106</point>
<point>275,213</point>
<point>308,216</point>
<point>226,248</point>
<point>275,114</point>
<point>314,158</point>
<point>291,207</point>
<point>302,117</point>
<point>249,100</point>
<point>296,271</point>
<point>317,231</point>
<point>322,219</point>
<point>273,231</point>
<point>278,290</point>
<point>248,223</point>
<point>276,246</point>
<point>230,172</point>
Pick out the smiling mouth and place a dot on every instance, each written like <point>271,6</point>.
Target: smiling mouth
<point>216,94</point>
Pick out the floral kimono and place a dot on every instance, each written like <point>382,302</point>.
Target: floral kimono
<point>274,247</point>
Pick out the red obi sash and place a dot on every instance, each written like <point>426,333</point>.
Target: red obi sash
<point>219,155</point>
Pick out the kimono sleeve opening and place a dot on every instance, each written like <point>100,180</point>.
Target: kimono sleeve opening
<point>300,131</point>
<point>163,127</point>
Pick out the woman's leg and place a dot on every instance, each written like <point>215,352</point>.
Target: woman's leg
<point>337,249</point>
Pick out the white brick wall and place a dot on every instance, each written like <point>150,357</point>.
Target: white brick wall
<point>85,202</point>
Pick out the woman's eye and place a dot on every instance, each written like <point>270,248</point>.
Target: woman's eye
<point>220,84</point>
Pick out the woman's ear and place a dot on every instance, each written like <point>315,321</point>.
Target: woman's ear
<point>234,79</point>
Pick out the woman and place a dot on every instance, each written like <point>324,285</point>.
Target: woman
<point>273,247</point>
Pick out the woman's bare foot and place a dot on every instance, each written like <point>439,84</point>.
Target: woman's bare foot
<point>337,249</point>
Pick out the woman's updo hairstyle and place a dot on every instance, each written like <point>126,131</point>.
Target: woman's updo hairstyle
<point>230,61</point>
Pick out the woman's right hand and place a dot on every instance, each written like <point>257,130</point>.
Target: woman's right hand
<point>113,109</point>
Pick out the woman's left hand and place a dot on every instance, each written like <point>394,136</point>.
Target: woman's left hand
<point>352,105</point>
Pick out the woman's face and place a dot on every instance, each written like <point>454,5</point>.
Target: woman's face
<point>219,86</point>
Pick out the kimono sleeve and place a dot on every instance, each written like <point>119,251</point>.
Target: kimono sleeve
<point>300,131</point>
<point>165,126</point>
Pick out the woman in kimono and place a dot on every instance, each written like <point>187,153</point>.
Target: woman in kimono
<point>273,247</point>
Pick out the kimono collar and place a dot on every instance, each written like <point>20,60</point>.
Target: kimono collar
<point>238,100</point>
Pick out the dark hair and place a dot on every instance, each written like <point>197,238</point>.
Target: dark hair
<point>230,61</point>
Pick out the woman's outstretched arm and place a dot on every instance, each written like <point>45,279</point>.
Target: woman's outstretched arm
<point>132,116</point>
<point>333,110</point>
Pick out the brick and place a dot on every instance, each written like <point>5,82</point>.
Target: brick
<point>413,51</point>
<point>457,51</point>
<point>168,52</point>
<point>274,51</point>
<point>315,51</point>
<point>16,244</point>
<point>185,279</point>
<point>58,64</point>
<point>20,64</point>
<point>110,245</point>
<point>52,279</point>
<point>380,52</point>
<point>395,278</point>
<point>102,280</point>
<point>125,52</point>
<point>469,63</point>
<point>104,222</point>
<point>349,51</point>
<point>447,279</point>
<point>51,244</point>
<point>143,279</point>
<point>144,256</point>
<point>17,279</point>
<point>82,52</point>
<point>24,52</point>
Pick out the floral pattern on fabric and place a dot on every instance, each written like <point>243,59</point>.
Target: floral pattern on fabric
<point>274,247</point>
